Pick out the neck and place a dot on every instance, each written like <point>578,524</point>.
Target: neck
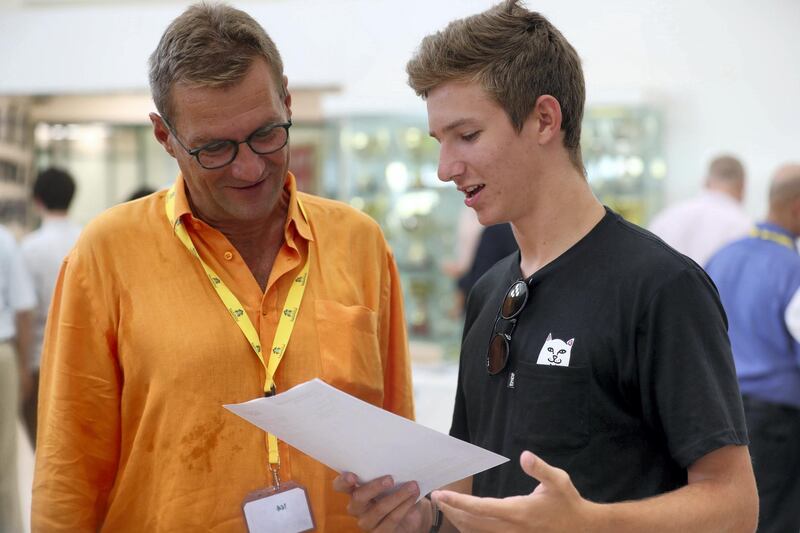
<point>731,190</point>
<point>258,242</point>
<point>54,215</point>
<point>565,211</point>
<point>782,220</point>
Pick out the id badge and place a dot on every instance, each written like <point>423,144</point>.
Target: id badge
<point>285,509</point>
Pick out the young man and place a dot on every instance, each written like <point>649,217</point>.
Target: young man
<point>596,347</point>
<point>141,353</point>
<point>759,283</point>
<point>44,251</point>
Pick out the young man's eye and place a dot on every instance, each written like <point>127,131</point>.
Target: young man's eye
<point>470,136</point>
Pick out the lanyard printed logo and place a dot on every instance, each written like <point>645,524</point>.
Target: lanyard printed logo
<point>774,236</point>
<point>287,317</point>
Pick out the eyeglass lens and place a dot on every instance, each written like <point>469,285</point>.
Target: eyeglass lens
<point>263,142</point>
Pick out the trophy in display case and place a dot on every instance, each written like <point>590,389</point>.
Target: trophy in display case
<point>389,165</point>
<point>16,160</point>
<point>623,156</point>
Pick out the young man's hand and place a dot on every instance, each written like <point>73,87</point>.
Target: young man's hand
<point>382,511</point>
<point>555,505</point>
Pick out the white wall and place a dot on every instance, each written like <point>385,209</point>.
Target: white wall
<point>725,71</point>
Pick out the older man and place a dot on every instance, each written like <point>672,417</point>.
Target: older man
<point>228,286</point>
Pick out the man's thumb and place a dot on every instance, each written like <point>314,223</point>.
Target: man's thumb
<point>536,468</point>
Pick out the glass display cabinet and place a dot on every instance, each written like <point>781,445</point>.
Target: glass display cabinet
<point>622,149</point>
<point>16,159</point>
<point>385,166</point>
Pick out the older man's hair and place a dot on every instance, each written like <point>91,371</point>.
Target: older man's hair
<point>726,168</point>
<point>517,56</point>
<point>785,186</point>
<point>209,45</point>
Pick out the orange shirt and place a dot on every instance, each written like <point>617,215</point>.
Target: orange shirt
<point>140,355</point>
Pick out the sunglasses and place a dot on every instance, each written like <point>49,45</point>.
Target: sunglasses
<point>500,343</point>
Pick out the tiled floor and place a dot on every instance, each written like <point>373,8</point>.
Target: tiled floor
<point>434,390</point>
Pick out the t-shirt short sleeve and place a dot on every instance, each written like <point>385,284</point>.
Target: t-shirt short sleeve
<point>687,378</point>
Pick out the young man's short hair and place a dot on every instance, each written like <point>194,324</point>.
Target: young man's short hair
<point>517,56</point>
<point>55,188</point>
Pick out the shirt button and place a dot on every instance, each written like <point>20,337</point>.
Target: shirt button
<point>228,256</point>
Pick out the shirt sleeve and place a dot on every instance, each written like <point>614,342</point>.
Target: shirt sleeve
<point>78,444</point>
<point>22,296</point>
<point>398,391</point>
<point>687,381</point>
<point>792,318</point>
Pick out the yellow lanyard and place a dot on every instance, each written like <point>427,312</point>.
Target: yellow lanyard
<point>773,236</point>
<point>236,310</point>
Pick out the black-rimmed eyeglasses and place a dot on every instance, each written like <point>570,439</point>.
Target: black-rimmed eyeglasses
<point>217,154</point>
<point>504,324</point>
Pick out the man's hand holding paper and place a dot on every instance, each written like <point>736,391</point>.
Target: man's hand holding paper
<point>350,435</point>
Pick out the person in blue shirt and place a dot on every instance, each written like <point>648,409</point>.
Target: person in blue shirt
<point>758,278</point>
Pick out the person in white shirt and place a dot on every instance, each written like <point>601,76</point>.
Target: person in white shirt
<point>17,300</point>
<point>701,225</point>
<point>43,251</point>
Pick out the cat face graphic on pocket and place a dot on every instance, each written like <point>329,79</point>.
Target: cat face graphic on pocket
<point>555,352</point>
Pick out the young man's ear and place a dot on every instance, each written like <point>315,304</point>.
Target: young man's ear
<point>161,133</point>
<point>547,112</point>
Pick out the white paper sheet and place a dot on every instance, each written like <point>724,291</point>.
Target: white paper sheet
<point>348,434</point>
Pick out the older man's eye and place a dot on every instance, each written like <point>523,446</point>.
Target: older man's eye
<point>266,133</point>
<point>216,147</point>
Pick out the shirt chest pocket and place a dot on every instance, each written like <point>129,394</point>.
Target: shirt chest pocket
<point>551,407</point>
<point>350,356</point>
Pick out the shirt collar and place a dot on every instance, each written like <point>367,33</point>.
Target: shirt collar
<point>776,229</point>
<point>55,220</point>
<point>294,216</point>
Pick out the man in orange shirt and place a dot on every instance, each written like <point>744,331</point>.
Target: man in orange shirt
<point>162,309</point>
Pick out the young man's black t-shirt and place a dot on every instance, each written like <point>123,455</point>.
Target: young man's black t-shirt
<point>645,385</point>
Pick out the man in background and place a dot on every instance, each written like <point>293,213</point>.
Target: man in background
<point>701,225</point>
<point>758,279</point>
<point>140,192</point>
<point>17,300</point>
<point>44,250</point>
<point>229,286</point>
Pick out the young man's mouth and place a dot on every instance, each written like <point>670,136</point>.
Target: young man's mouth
<point>472,190</point>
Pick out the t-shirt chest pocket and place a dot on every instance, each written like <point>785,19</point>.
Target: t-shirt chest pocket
<point>551,407</point>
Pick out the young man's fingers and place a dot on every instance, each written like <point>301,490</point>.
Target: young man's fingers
<point>467,522</point>
<point>380,508</point>
<point>345,482</point>
<point>488,507</point>
<point>396,517</point>
<point>362,497</point>
<point>547,475</point>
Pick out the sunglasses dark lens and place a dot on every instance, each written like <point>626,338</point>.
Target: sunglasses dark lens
<point>515,300</point>
<point>498,354</point>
